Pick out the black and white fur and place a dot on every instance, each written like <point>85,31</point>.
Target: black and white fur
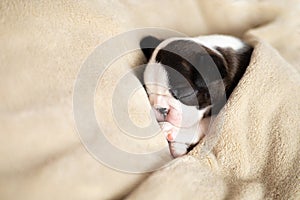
<point>182,84</point>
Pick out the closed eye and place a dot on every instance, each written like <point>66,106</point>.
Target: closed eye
<point>173,93</point>
<point>187,95</point>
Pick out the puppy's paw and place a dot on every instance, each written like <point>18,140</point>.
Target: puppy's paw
<point>170,131</point>
<point>181,139</point>
<point>178,149</point>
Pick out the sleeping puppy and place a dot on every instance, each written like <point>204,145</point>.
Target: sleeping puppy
<point>187,81</point>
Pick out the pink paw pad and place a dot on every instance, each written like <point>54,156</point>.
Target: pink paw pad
<point>169,136</point>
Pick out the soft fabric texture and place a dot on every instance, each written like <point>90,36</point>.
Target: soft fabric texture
<point>44,44</point>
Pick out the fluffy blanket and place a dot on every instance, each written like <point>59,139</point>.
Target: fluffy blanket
<point>252,151</point>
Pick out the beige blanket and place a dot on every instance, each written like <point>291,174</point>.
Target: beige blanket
<point>254,142</point>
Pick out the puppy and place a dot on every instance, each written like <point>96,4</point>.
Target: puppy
<point>187,81</point>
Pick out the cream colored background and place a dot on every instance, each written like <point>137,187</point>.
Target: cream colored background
<point>44,43</point>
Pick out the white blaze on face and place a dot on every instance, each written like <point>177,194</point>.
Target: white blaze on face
<point>156,75</point>
<point>156,82</point>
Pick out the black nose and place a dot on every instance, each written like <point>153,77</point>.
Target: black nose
<point>163,111</point>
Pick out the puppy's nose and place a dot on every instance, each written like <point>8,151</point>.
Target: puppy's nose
<point>163,111</point>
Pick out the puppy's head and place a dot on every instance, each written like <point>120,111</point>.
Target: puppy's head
<point>191,74</point>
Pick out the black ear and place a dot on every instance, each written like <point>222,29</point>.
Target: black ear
<point>148,44</point>
<point>220,64</point>
<point>210,66</point>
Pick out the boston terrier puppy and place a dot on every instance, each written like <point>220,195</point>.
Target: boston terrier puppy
<point>188,80</point>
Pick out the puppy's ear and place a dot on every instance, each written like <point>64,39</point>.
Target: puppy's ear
<point>220,63</point>
<point>211,66</point>
<point>148,44</point>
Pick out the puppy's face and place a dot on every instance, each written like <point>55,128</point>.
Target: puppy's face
<point>179,75</point>
<point>185,77</point>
